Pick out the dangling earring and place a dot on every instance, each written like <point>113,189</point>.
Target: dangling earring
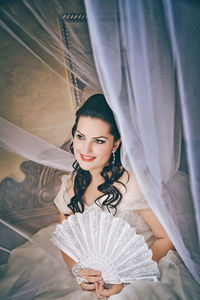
<point>113,158</point>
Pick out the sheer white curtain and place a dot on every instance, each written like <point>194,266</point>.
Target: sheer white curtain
<point>32,47</point>
<point>143,52</point>
<point>36,27</point>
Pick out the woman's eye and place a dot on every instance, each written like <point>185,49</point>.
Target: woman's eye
<point>99,141</point>
<point>80,137</point>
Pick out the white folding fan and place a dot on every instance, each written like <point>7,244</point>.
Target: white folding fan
<point>99,241</point>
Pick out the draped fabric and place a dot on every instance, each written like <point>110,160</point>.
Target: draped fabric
<point>43,46</point>
<point>146,59</point>
<point>40,29</point>
<point>144,51</point>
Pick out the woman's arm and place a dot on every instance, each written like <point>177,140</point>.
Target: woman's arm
<point>162,244</point>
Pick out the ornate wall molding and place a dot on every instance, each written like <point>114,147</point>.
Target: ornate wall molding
<point>34,194</point>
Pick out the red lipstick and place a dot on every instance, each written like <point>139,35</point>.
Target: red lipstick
<point>87,158</point>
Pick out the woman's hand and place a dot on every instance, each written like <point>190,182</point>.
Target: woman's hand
<point>102,292</point>
<point>91,277</point>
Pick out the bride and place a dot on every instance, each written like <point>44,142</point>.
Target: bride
<point>40,271</point>
<point>98,172</point>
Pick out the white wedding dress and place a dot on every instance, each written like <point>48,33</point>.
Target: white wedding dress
<point>37,270</point>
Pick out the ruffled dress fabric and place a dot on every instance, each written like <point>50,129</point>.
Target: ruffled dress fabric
<point>37,270</point>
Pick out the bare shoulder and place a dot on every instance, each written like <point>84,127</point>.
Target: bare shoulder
<point>133,182</point>
<point>132,185</point>
<point>127,177</point>
<point>123,181</point>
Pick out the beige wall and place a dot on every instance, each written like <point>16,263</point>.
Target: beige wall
<point>32,97</point>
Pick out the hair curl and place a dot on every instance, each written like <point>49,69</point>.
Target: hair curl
<point>97,107</point>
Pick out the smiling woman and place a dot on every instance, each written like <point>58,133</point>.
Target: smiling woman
<point>96,146</point>
<point>99,181</point>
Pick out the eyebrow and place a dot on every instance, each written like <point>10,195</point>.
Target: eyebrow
<point>97,137</point>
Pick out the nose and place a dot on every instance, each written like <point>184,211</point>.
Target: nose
<point>87,148</point>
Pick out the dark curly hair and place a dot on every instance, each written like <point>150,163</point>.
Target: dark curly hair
<point>97,107</point>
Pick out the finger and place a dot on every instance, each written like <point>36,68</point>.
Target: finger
<point>101,287</point>
<point>97,291</point>
<point>104,292</point>
<point>89,272</point>
<point>88,287</point>
<point>93,278</point>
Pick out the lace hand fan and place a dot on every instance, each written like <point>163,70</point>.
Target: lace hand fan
<point>99,241</point>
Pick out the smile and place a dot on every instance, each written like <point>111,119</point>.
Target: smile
<point>87,158</point>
